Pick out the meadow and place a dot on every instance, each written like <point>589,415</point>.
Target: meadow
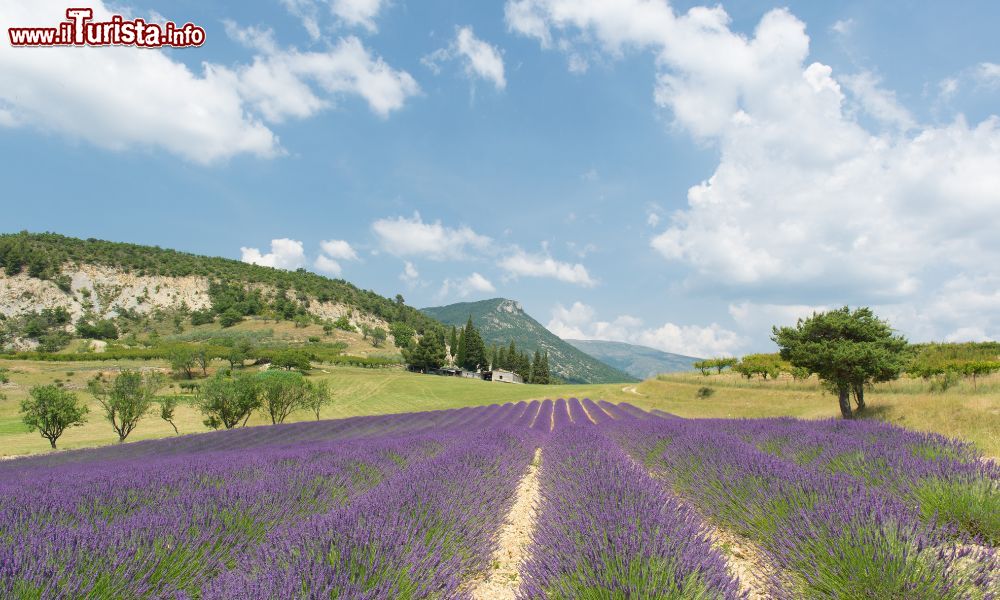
<point>963,411</point>
<point>415,505</point>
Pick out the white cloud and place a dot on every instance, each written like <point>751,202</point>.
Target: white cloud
<point>413,237</point>
<point>987,74</point>
<point>521,263</point>
<point>652,219</point>
<point>806,201</point>
<point>410,274</point>
<point>127,99</point>
<point>281,84</point>
<point>480,59</point>
<point>285,254</point>
<point>579,322</point>
<point>338,249</point>
<point>358,12</point>
<point>331,253</point>
<point>843,26</point>
<point>123,98</point>
<point>471,285</point>
<point>878,102</point>
<point>325,264</point>
<point>346,13</point>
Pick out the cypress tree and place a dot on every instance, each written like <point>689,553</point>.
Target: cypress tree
<point>453,342</point>
<point>475,349</point>
<point>460,354</point>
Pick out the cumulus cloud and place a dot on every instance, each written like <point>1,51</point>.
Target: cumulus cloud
<point>401,236</point>
<point>126,99</point>
<point>338,249</point>
<point>410,274</point>
<point>345,13</point>
<point>480,59</point>
<point>473,284</point>
<point>285,254</point>
<point>579,321</point>
<point>281,84</point>
<point>521,263</point>
<point>332,252</point>
<point>807,201</point>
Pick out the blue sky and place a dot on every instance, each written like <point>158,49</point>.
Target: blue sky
<point>676,175</point>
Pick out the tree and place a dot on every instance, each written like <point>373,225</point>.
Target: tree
<point>378,336</point>
<point>319,396</point>
<point>475,349</point>
<point>167,406</point>
<point>722,363</point>
<point>460,354</point>
<point>182,360</point>
<point>241,352</point>
<point>227,402</point>
<point>402,334</point>
<point>704,366</point>
<point>282,392</point>
<point>429,353</point>
<point>230,317</point>
<point>291,360</point>
<point>846,349</point>
<point>453,342</point>
<point>201,358</point>
<point>51,410</point>
<point>540,371</point>
<point>126,399</point>
<point>765,365</point>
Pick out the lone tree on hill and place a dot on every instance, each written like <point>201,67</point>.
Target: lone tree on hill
<point>51,410</point>
<point>846,349</point>
<point>126,399</point>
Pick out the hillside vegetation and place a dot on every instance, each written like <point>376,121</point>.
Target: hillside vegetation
<point>501,321</point>
<point>52,257</point>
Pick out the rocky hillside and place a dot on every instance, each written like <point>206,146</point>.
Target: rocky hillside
<point>639,361</point>
<point>500,320</point>
<point>97,280</point>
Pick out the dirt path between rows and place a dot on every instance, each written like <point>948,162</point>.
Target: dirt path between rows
<point>504,577</point>
<point>746,562</point>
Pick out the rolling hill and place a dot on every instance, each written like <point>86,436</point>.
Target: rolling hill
<point>57,281</point>
<point>500,320</point>
<point>639,361</point>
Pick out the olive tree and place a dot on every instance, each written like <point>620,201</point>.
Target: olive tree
<point>846,349</point>
<point>126,399</point>
<point>227,402</point>
<point>319,396</point>
<point>51,410</point>
<point>282,392</point>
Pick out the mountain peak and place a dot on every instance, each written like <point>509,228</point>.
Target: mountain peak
<point>501,320</point>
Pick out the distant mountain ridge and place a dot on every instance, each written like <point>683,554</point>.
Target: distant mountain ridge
<point>500,320</point>
<point>639,361</point>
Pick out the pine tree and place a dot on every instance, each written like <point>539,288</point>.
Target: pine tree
<point>453,342</point>
<point>501,358</point>
<point>460,354</point>
<point>512,357</point>
<point>475,349</point>
<point>536,368</point>
<point>540,371</point>
<point>428,353</point>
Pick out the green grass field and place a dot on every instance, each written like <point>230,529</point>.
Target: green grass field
<point>963,412</point>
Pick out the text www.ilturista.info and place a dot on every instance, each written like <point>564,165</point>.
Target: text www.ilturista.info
<point>80,30</point>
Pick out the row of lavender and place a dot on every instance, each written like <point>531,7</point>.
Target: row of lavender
<point>841,509</point>
<point>409,511</point>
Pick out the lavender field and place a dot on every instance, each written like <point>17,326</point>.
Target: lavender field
<point>629,504</point>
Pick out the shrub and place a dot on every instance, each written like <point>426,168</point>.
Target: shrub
<point>230,317</point>
<point>705,392</point>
